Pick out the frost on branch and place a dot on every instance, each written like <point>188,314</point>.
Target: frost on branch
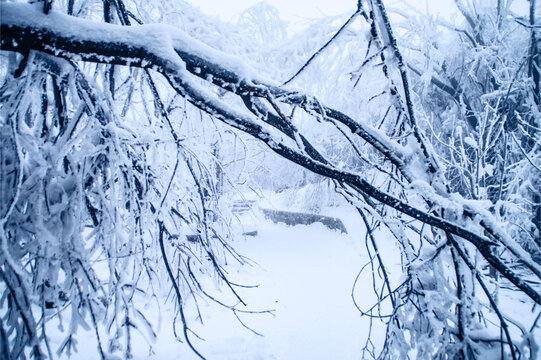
<point>113,136</point>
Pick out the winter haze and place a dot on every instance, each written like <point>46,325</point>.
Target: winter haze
<point>270,180</point>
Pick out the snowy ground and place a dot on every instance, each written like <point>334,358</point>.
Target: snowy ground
<point>304,274</point>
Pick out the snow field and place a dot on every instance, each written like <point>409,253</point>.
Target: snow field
<point>303,273</point>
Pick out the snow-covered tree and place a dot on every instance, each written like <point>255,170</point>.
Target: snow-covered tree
<point>113,135</point>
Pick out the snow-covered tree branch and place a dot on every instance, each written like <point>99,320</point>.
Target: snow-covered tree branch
<point>95,174</point>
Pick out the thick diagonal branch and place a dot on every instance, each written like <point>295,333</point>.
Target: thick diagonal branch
<point>180,58</point>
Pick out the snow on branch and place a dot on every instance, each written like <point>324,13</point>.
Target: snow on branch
<point>181,59</point>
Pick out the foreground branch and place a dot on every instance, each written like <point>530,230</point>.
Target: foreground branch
<point>180,59</point>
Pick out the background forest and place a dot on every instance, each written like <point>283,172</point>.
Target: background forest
<point>131,132</point>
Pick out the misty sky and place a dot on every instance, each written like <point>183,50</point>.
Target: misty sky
<point>295,10</point>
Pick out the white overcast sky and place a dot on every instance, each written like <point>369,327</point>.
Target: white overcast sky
<point>294,11</point>
<point>289,9</point>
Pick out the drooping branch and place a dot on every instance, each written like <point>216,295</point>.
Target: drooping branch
<point>180,59</point>
<point>162,231</point>
<point>161,48</point>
